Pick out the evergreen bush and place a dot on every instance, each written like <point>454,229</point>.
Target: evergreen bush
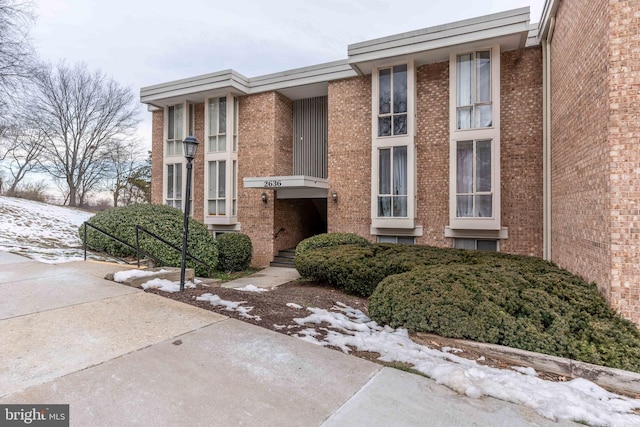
<point>234,252</point>
<point>166,222</point>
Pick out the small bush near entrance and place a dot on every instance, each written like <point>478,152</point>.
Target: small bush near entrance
<point>234,252</point>
<point>326,240</point>
<point>166,222</point>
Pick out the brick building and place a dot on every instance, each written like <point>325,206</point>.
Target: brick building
<point>489,133</point>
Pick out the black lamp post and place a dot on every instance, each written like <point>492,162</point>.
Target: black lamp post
<point>190,145</point>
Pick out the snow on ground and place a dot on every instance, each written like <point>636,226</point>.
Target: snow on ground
<point>40,231</point>
<point>251,288</point>
<point>236,306</point>
<point>123,276</point>
<point>579,399</point>
<point>166,285</point>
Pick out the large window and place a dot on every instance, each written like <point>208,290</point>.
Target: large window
<point>392,101</point>
<point>473,89</point>
<point>474,197</point>
<point>175,123</point>
<point>392,182</point>
<point>474,156</point>
<point>221,128</point>
<point>174,185</point>
<point>218,125</point>
<point>393,162</point>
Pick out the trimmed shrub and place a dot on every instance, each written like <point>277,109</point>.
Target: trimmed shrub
<point>519,302</point>
<point>234,252</point>
<point>326,240</point>
<point>166,222</point>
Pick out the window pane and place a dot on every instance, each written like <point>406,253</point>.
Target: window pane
<point>464,118</point>
<point>233,177</point>
<point>384,126</point>
<point>384,206</point>
<point>191,119</point>
<point>178,188</point>
<point>170,121</point>
<point>384,87</point>
<point>483,206</point>
<point>384,171</point>
<point>213,175</point>
<point>400,206</point>
<point>212,207</point>
<point>178,126</point>
<point>483,116</point>
<point>235,124</point>
<point>222,179</point>
<point>170,181</point>
<point>222,121</point>
<point>464,206</point>
<point>483,76</point>
<point>213,116</point>
<point>464,167</point>
<point>400,89</point>
<point>400,170</point>
<point>222,143</point>
<point>386,239</point>
<point>213,143</point>
<point>463,73</point>
<point>483,165</point>
<point>487,245</point>
<point>400,124</point>
<point>221,207</point>
<point>406,240</point>
<point>464,244</point>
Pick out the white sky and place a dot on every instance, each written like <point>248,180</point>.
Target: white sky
<point>145,42</point>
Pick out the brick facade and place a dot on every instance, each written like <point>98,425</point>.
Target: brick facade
<point>157,156</point>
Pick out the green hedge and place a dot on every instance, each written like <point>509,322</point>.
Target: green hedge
<point>326,240</point>
<point>234,252</point>
<point>527,304</point>
<point>164,221</point>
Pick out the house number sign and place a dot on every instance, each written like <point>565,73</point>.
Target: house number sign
<point>273,183</point>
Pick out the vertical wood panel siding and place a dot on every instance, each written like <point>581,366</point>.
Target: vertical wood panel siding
<point>310,130</point>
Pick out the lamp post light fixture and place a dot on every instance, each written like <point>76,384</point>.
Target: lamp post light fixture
<point>190,145</point>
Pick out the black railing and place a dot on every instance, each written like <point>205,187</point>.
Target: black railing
<point>159,261</point>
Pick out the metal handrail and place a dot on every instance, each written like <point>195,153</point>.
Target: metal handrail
<point>136,248</point>
<point>172,246</point>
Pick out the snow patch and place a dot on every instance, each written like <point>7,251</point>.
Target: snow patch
<point>251,288</point>
<point>294,305</point>
<point>166,285</point>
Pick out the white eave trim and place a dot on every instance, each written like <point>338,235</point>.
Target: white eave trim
<point>285,182</point>
<point>548,13</point>
<point>443,36</point>
<point>226,80</point>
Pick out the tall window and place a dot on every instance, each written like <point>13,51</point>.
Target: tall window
<point>218,125</point>
<point>392,182</point>
<point>474,196</point>
<point>217,187</point>
<point>221,128</point>
<point>392,102</point>
<point>473,88</point>
<point>175,123</point>
<point>174,185</point>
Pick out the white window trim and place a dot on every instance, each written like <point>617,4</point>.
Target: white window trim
<point>175,158</point>
<point>394,141</point>
<point>229,156</point>
<point>492,133</point>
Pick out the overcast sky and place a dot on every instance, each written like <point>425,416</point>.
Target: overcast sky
<point>145,42</point>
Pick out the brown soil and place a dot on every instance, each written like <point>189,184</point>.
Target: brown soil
<point>274,314</point>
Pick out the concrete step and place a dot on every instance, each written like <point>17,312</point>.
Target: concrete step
<point>281,264</point>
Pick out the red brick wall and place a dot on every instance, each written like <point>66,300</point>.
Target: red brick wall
<point>521,150</point>
<point>432,153</point>
<point>157,153</point>
<point>580,217</point>
<point>624,156</point>
<point>349,155</point>
<point>197,188</point>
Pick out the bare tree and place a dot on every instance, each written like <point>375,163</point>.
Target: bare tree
<point>18,60</point>
<point>81,113</point>
<point>124,159</point>
<point>22,147</point>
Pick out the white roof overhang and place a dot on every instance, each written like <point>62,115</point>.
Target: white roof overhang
<point>290,187</point>
<point>509,29</point>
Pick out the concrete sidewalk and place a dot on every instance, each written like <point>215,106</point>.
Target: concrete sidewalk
<point>119,356</point>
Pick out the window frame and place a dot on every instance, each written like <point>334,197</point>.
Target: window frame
<point>391,141</point>
<point>229,155</point>
<point>171,201</point>
<point>491,133</point>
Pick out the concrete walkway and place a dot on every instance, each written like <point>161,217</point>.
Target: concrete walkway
<point>120,357</point>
